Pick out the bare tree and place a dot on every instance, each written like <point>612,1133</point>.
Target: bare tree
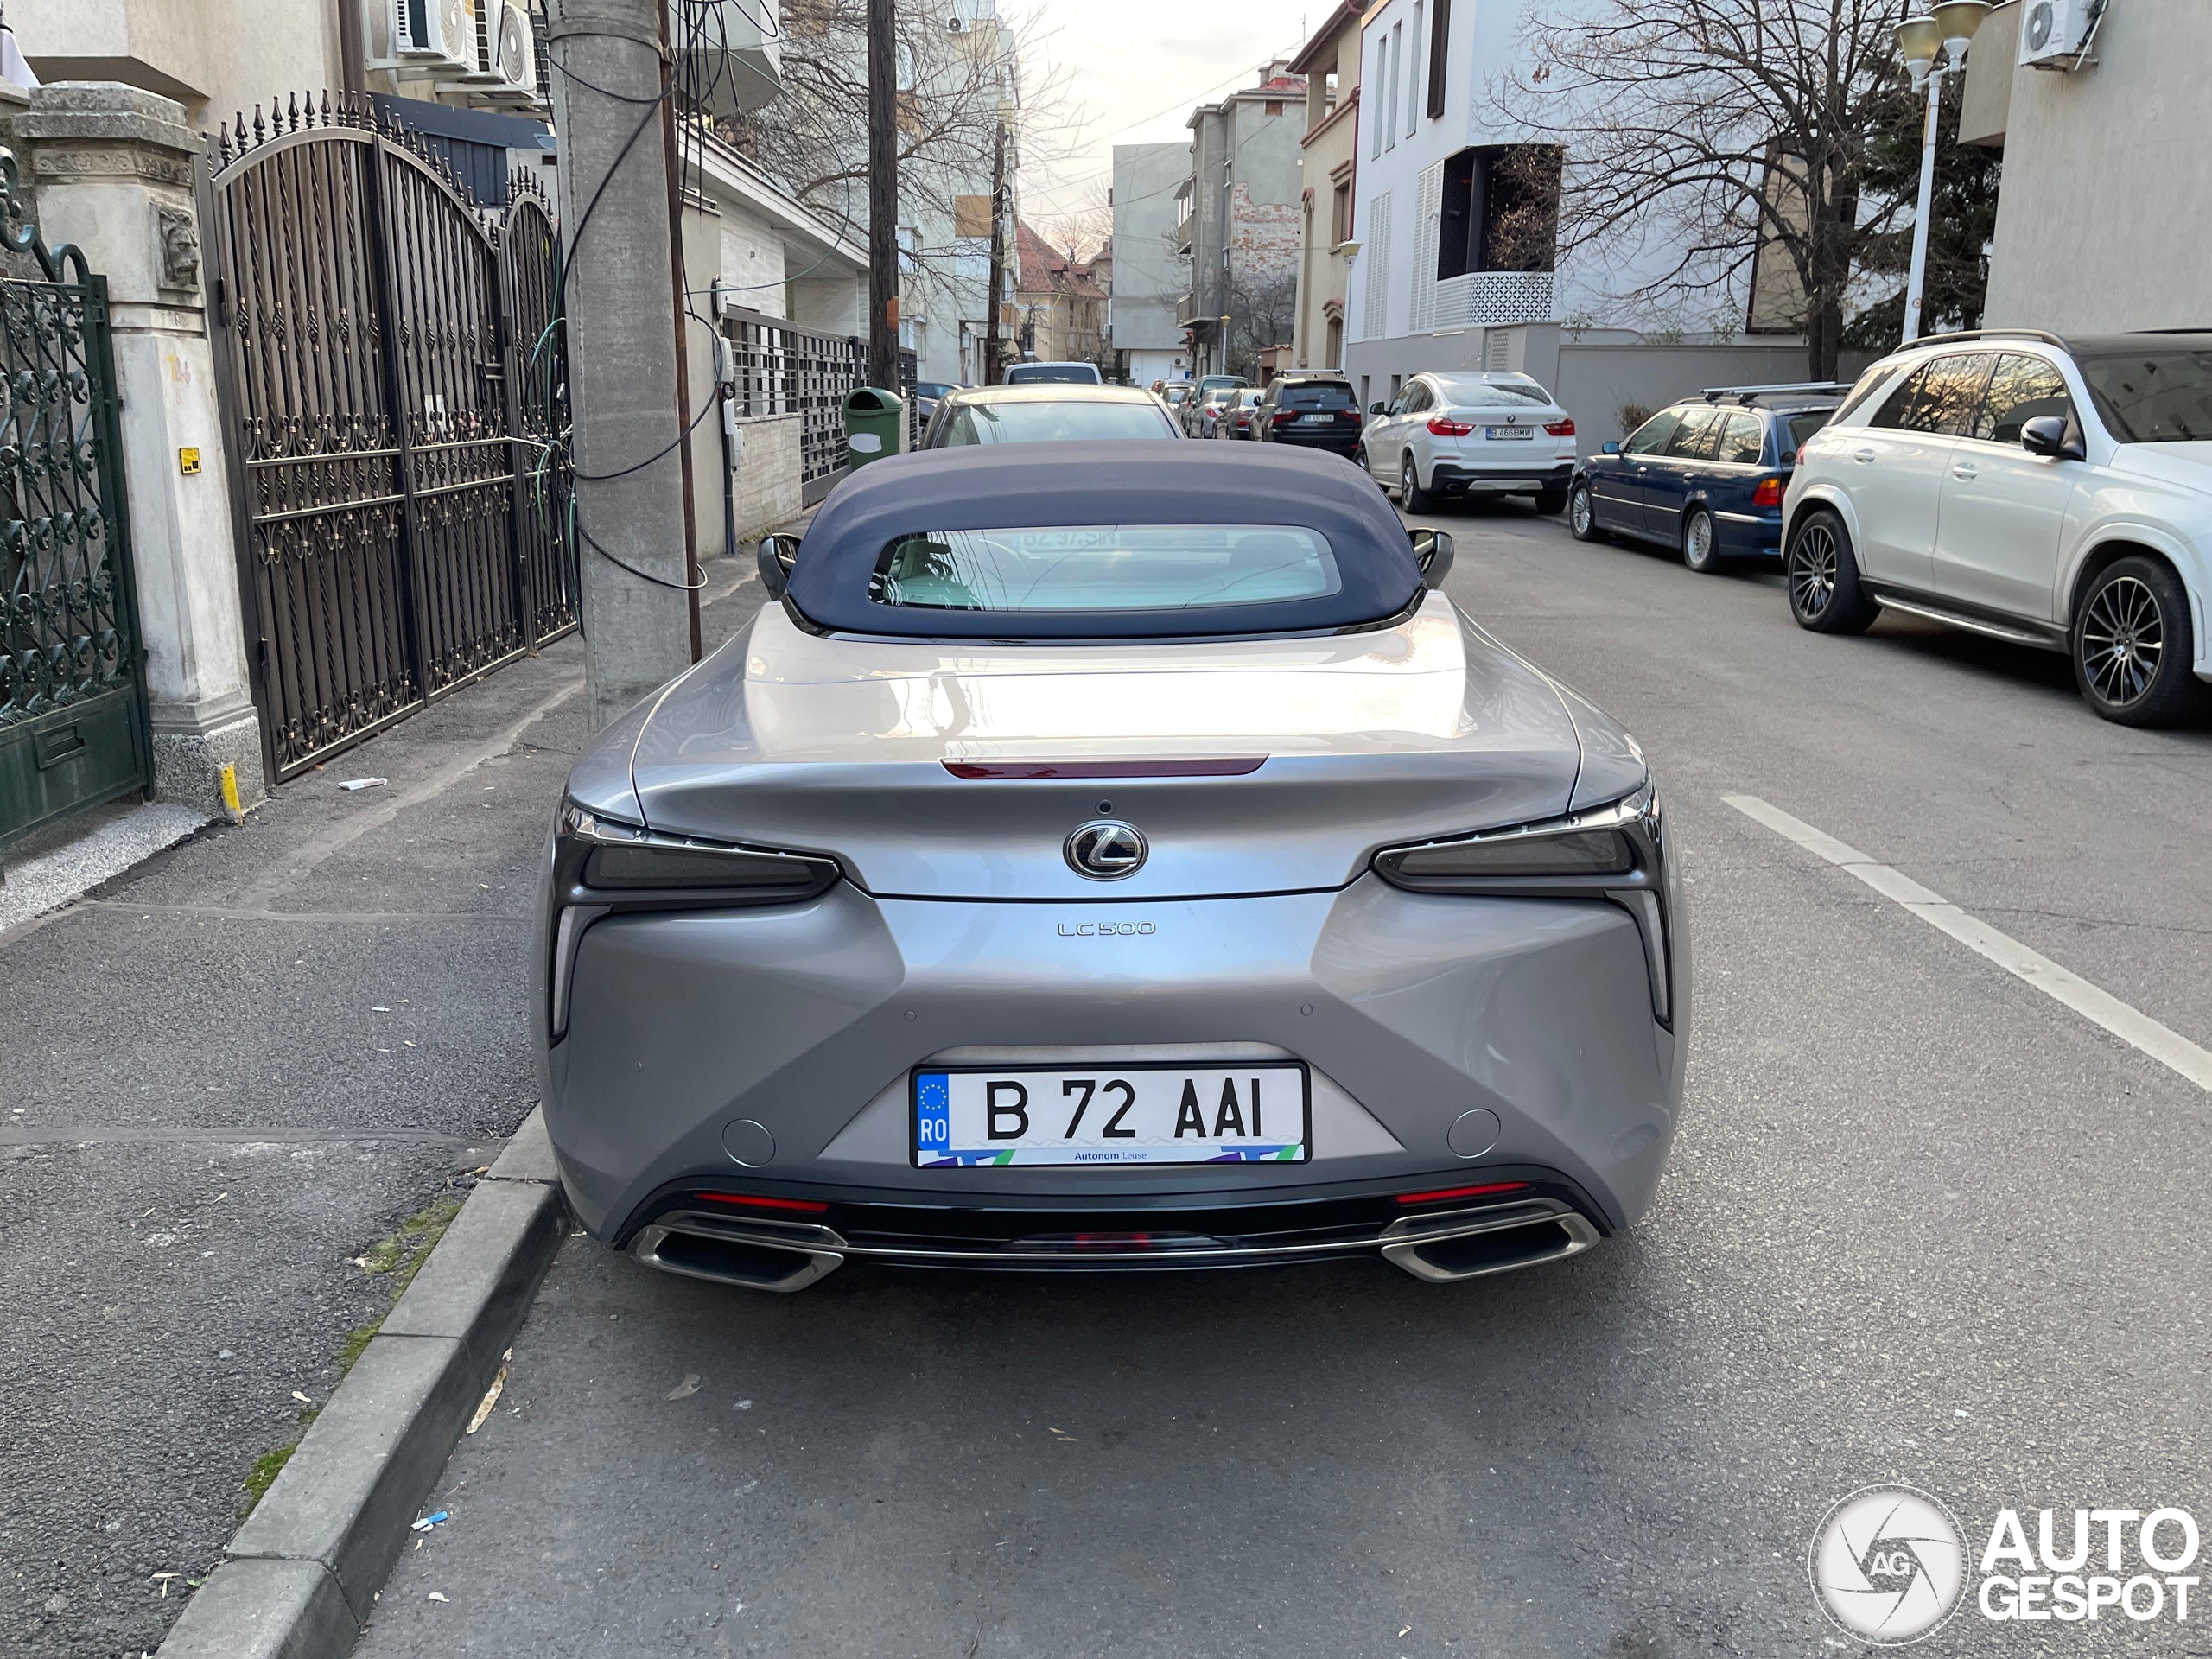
<point>1720,127</point>
<point>955,88</point>
<point>1265,307</point>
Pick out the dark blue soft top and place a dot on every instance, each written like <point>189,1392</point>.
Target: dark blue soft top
<point>1012,486</point>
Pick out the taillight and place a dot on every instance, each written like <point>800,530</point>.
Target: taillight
<point>1769,493</point>
<point>1463,1192</point>
<point>1560,428</point>
<point>1352,415</point>
<point>804,1206</point>
<point>1284,416</point>
<point>1444,427</point>
<point>1801,451</point>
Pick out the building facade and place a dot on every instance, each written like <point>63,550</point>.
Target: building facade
<point>1062,308</point>
<point>2105,203</point>
<point>1152,272</point>
<point>1237,220</point>
<point>1330,155</point>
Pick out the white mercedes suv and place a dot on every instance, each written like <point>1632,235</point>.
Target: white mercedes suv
<point>2053,492</point>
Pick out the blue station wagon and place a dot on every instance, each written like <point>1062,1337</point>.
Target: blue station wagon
<point>1704,476</point>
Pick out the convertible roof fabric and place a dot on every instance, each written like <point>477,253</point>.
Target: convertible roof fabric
<point>1013,486</point>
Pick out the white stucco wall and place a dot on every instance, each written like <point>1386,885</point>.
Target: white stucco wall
<point>2105,221</point>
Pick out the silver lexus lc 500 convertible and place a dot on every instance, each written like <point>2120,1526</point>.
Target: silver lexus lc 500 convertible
<point>1110,856</point>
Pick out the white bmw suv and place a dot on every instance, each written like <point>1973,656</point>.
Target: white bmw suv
<point>2054,492</point>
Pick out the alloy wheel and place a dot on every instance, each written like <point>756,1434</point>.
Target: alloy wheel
<point>1812,571</point>
<point>2123,635</point>
<point>1579,512</point>
<point>1697,542</point>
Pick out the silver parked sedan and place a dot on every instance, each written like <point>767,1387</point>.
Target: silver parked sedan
<point>1110,856</point>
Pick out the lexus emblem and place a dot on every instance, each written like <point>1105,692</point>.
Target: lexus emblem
<point>1106,850</point>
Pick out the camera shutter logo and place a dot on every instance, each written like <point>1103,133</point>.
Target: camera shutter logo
<point>1889,1565</point>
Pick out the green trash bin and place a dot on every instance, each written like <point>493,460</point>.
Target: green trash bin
<point>875,425</point>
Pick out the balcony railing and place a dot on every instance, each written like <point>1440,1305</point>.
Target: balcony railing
<point>1490,298</point>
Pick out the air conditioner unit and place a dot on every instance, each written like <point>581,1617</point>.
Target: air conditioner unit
<point>2054,32</point>
<point>434,34</point>
<point>514,53</point>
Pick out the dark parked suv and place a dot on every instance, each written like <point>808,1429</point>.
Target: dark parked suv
<point>1314,411</point>
<point>1706,476</point>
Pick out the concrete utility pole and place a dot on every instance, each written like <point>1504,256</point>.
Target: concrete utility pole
<point>882,197</point>
<point>679,314</point>
<point>998,258</point>
<point>608,79</point>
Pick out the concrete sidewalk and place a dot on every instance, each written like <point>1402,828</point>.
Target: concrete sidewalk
<point>234,1071</point>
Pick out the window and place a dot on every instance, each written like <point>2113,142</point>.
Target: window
<point>1377,73</point>
<point>1314,394</point>
<point>1743,441</point>
<point>1413,80</point>
<point>1467,392</point>
<point>2022,388</point>
<point>1417,398</point>
<point>1390,112</point>
<point>1104,568</point>
<point>1440,42</point>
<point>1693,439</point>
<point>1340,216</point>
<point>1500,210</point>
<point>1803,425</point>
<point>2151,395</point>
<point>1045,423</point>
<point>1652,437</point>
<point>1939,398</point>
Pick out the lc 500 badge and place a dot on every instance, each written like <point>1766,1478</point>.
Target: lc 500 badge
<point>1106,930</point>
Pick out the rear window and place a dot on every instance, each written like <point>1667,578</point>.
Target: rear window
<point>2153,396</point>
<point>1467,393</point>
<point>1332,396</point>
<point>1805,423</point>
<point>1069,374</point>
<point>1042,422</point>
<point>1104,568</point>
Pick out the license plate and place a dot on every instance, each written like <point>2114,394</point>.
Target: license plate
<point>1496,433</point>
<point>1317,420</point>
<point>1153,1112</point>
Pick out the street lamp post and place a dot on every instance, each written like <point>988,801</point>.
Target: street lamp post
<point>1949,29</point>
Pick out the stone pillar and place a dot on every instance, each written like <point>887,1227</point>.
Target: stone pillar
<point>114,167</point>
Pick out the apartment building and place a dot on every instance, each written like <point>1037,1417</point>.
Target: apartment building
<point>1061,306</point>
<point>1238,215</point>
<point>1328,155</point>
<point>1151,269</point>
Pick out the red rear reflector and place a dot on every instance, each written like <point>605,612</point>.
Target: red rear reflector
<point>1560,428</point>
<point>1444,427</point>
<point>1234,765</point>
<point>1769,493</point>
<point>1463,1192</point>
<point>811,1206</point>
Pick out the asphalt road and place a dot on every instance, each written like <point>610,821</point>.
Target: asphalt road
<point>229,1073</point>
<point>1923,1225</point>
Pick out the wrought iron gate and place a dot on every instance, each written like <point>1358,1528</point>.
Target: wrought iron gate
<point>393,376</point>
<point>72,701</point>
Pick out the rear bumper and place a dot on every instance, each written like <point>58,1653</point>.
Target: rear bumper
<point>1500,478</point>
<point>698,1037</point>
<point>1440,1242</point>
<point>1755,534</point>
<point>1337,440</point>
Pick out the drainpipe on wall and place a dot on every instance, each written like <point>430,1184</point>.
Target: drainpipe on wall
<point>352,48</point>
<point>725,377</point>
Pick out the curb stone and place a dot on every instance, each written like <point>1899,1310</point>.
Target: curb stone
<point>299,1579</point>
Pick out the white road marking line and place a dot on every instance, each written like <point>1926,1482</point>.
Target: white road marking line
<point>2130,1025</point>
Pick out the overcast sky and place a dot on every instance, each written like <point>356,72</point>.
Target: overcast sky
<point>1135,68</point>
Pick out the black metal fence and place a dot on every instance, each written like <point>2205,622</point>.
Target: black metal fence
<point>393,379</point>
<point>72,704</point>
<point>781,367</point>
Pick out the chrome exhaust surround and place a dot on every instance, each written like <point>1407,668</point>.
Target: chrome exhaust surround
<point>1440,1249</point>
<point>778,1255</point>
<point>1494,1240</point>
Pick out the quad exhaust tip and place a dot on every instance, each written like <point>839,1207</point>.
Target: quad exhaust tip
<point>1440,1249</point>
